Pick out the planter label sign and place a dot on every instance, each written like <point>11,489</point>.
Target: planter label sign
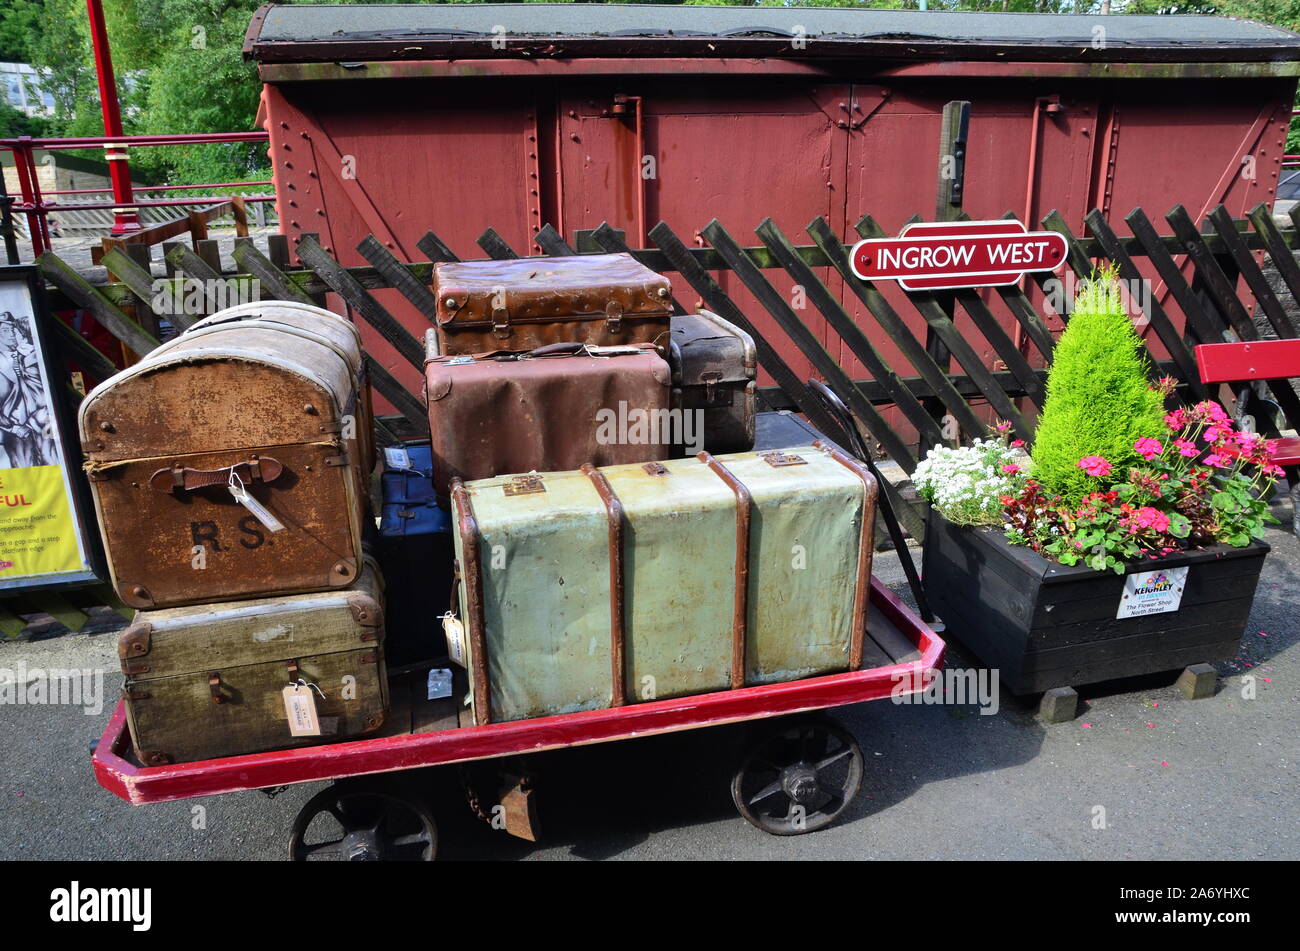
<point>1152,592</point>
<point>951,255</point>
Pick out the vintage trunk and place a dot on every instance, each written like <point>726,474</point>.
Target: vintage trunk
<point>522,304</point>
<point>602,587</point>
<point>267,408</point>
<point>208,680</point>
<point>1041,624</point>
<point>551,409</point>
<point>715,369</point>
<point>415,555</point>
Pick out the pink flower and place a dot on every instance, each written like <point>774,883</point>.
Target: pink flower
<point>1148,448</point>
<point>1003,426</point>
<point>1011,468</point>
<point>1211,410</point>
<point>1017,444</point>
<point>1176,420</point>
<point>1211,433</point>
<point>1148,518</point>
<point>1218,460</point>
<point>1095,466</point>
<point>1186,447</point>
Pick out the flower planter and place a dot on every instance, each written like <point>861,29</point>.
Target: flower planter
<point>1043,625</point>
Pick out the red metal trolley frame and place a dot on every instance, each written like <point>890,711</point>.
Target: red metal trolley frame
<point>138,784</point>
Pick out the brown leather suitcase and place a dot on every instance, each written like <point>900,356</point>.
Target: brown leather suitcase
<point>715,369</point>
<point>523,304</point>
<point>549,409</point>
<point>263,409</point>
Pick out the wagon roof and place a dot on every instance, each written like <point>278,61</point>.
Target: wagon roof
<point>313,33</point>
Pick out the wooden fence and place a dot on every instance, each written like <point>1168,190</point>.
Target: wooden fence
<point>1211,277</point>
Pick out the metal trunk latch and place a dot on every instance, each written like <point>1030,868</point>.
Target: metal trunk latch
<point>655,468</point>
<point>214,686</point>
<point>614,317</point>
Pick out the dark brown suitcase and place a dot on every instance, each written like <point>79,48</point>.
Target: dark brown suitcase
<point>523,304</point>
<point>267,404</point>
<point>715,369</point>
<point>554,408</point>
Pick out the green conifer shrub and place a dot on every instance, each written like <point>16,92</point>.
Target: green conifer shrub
<point>1099,400</point>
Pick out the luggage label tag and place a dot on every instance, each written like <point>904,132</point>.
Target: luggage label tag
<point>300,706</point>
<point>258,510</point>
<point>455,633</point>
<point>397,457</point>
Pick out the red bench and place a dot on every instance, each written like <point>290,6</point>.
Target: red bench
<point>1258,360</point>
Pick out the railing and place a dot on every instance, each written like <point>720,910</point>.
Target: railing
<point>33,204</point>
<point>1202,266</point>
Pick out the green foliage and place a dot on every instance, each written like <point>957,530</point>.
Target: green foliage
<point>1098,399</point>
<point>14,122</point>
<point>19,22</point>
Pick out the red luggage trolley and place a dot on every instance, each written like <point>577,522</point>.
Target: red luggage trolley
<point>799,775</point>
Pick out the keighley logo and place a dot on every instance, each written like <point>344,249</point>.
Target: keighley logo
<point>1158,583</point>
<point>77,904</point>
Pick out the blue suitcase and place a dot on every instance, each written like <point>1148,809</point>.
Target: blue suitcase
<point>415,555</point>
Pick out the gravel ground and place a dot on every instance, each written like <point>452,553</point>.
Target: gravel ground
<point>1178,779</point>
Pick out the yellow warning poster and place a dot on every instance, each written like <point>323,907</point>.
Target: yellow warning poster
<point>40,534</point>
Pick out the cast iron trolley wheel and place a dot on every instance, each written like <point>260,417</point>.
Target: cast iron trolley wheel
<point>798,777</point>
<point>349,825</point>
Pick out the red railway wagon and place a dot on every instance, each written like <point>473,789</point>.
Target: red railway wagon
<point>394,120</point>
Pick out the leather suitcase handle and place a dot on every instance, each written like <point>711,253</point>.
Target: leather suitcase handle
<point>262,469</point>
<point>557,349</point>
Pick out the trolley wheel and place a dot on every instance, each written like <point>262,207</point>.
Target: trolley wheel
<point>798,777</point>
<point>344,825</point>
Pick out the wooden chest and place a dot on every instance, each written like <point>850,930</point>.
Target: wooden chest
<point>208,680</point>
<point>263,404</point>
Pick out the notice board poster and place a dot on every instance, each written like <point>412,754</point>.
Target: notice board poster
<point>42,536</point>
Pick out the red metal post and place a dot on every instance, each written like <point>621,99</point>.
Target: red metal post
<point>119,172</point>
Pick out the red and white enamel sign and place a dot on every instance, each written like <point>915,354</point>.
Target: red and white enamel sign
<point>949,255</point>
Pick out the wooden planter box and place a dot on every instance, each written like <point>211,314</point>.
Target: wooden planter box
<point>1044,625</point>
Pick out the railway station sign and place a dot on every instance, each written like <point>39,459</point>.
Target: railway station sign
<point>952,255</point>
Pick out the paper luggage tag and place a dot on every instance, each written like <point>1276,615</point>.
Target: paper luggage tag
<point>455,632</point>
<point>258,510</point>
<point>439,684</point>
<point>300,705</point>
<point>397,457</point>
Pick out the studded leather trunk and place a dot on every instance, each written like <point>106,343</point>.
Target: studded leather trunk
<point>618,585</point>
<point>523,304</point>
<point>207,681</point>
<point>263,398</point>
<point>557,407</point>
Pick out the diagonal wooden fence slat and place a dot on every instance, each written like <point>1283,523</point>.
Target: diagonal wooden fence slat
<point>550,241</point>
<point>357,297</point>
<point>396,274</point>
<point>433,248</point>
<point>941,323</point>
<point>1200,324</point>
<point>849,332</point>
<point>896,329</point>
<point>270,276</point>
<point>807,342</point>
<point>1251,273</point>
<point>496,246</point>
<point>1164,328</point>
<point>1224,295</point>
<point>86,296</point>
<point>1279,252</point>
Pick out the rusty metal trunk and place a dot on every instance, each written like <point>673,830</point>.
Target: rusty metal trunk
<point>265,402</point>
<point>554,408</point>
